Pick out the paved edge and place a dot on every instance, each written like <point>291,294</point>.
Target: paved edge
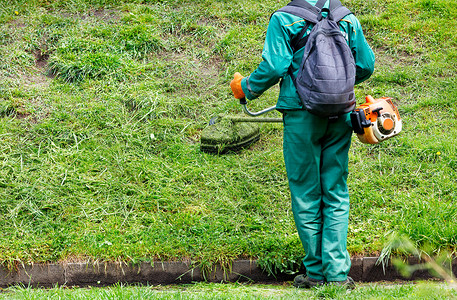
<point>364,269</point>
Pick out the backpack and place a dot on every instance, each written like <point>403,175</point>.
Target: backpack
<point>326,78</point>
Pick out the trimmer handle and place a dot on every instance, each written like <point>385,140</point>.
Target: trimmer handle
<point>359,121</point>
<point>244,102</point>
<point>377,111</point>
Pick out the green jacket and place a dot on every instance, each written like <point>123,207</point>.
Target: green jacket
<point>278,56</point>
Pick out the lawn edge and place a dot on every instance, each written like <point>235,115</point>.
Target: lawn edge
<point>364,269</point>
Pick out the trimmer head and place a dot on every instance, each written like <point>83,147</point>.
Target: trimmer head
<point>232,133</point>
<point>224,135</point>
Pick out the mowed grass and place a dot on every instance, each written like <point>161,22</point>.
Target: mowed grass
<point>425,290</point>
<point>238,291</point>
<point>101,108</point>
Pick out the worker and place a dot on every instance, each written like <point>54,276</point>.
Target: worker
<point>315,148</point>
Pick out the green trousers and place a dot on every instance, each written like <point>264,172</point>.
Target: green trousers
<point>316,158</point>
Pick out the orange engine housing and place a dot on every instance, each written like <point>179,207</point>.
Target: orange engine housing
<point>382,120</point>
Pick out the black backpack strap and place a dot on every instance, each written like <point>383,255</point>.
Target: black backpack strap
<point>311,15</point>
<point>302,9</point>
<point>320,4</point>
<point>334,4</point>
<point>340,12</point>
<point>304,4</point>
<point>299,41</point>
<point>337,10</point>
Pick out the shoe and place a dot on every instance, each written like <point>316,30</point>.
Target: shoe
<point>348,283</point>
<point>306,282</point>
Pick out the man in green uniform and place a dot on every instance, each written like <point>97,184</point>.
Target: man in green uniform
<point>315,148</point>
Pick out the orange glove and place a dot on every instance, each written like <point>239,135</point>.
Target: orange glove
<point>235,85</point>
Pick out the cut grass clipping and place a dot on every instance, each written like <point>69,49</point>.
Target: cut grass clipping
<point>102,108</point>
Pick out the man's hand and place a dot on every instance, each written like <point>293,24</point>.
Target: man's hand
<point>235,85</point>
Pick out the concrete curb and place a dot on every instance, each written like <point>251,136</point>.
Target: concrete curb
<point>107,273</point>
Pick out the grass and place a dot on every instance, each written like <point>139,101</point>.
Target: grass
<point>101,108</point>
<point>424,290</point>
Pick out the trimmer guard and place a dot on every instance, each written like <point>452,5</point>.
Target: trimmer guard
<point>225,136</point>
<point>232,133</point>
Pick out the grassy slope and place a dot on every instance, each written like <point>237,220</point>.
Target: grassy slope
<point>101,108</point>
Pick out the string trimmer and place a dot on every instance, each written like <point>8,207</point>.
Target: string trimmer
<point>232,133</point>
<point>374,121</point>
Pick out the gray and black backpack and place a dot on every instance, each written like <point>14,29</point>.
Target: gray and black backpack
<point>326,78</point>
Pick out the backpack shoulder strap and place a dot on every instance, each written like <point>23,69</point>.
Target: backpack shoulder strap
<point>340,13</point>
<point>305,4</point>
<point>302,9</point>
<point>320,4</point>
<point>309,13</point>
<point>337,10</point>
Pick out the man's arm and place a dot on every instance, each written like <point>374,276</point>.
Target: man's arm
<point>277,56</point>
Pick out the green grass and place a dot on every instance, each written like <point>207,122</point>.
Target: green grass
<point>101,108</point>
<point>237,291</point>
